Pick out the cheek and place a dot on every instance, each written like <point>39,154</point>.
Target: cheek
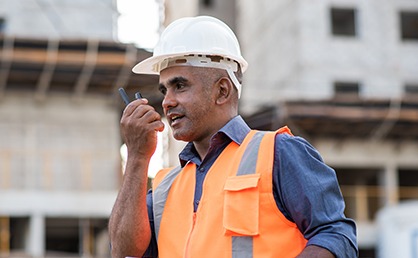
<point>200,112</point>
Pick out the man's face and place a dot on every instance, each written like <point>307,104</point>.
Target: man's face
<point>188,102</point>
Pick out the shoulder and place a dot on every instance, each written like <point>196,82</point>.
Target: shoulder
<point>294,148</point>
<point>284,140</point>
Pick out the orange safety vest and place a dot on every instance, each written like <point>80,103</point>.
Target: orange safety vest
<point>237,215</point>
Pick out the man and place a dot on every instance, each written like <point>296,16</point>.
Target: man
<point>238,192</point>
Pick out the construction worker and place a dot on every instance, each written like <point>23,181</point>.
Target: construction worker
<point>238,192</point>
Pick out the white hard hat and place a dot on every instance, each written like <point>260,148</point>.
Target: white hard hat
<point>192,41</point>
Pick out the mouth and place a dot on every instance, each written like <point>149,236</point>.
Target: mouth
<point>174,119</point>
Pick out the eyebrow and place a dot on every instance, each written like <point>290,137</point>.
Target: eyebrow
<point>174,81</point>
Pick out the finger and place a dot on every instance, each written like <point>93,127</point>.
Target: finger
<point>143,112</point>
<point>134,105</point>
<point>151,116</point>
<point>157,126</point>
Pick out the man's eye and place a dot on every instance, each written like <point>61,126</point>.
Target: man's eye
<point>163,90</point>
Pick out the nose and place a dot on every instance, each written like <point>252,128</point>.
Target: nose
<point>169,100</point>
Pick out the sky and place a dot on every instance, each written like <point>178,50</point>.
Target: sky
<point>138,22</point>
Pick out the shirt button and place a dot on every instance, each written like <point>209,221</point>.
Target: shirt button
<point>201,169</point>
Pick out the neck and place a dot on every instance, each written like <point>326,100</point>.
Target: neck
<point>202,149</point>
<point>202,145</point>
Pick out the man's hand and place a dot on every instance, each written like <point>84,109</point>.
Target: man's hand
<point>139,124</point>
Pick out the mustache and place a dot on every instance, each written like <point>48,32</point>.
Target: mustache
<point>175,112</point>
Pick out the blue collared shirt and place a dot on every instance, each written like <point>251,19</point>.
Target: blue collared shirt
<point>306,190</point>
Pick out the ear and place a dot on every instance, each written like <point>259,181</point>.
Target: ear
<point>225,90</point>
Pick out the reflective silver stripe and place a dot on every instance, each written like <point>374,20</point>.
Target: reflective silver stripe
<point>248,162</point>
<point>242,246</point>
<point>159,197</point>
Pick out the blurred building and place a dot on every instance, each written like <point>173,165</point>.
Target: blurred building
<point>60,67</point>
<point>344,75</point>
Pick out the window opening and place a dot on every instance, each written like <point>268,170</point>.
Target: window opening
<point>343,21</point>
<point>409,25</point>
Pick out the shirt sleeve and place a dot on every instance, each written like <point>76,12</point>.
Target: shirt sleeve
<point>307,192</point>
<point>152,250</point>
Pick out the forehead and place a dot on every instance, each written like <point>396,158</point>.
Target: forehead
<point>188,72</point>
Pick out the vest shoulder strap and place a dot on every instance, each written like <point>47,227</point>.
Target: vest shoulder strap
<point>262,142</point>
<point>160,193</point>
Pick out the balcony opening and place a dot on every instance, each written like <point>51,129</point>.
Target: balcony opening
<point>77,236</point>
<point>363,194</point>
<point>408,181</point>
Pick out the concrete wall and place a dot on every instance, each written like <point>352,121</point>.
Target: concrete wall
<point>172,10</point>
<point>224,10</point>
<point>60,19</point>
<point>293,54</point>
<point>60,144</point>
<point>58,158</point>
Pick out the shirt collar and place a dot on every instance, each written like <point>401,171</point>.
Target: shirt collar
<point>235,130</point>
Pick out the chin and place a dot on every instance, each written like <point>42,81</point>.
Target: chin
<point>181,136</point>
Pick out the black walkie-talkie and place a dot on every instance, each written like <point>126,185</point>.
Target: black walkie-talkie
<point>125,97</point>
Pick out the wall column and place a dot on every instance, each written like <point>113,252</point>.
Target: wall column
<point>86,238</point>
<point>36,239</point>
<point>4,236</point>
<point>391,184</point>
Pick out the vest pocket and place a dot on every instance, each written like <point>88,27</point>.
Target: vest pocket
<point>241,205</point>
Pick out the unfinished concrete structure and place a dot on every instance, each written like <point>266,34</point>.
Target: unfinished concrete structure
<point>60,67</point>
<point>343,74</point>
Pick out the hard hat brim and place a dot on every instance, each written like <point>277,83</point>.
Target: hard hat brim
<point>147,66</point>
